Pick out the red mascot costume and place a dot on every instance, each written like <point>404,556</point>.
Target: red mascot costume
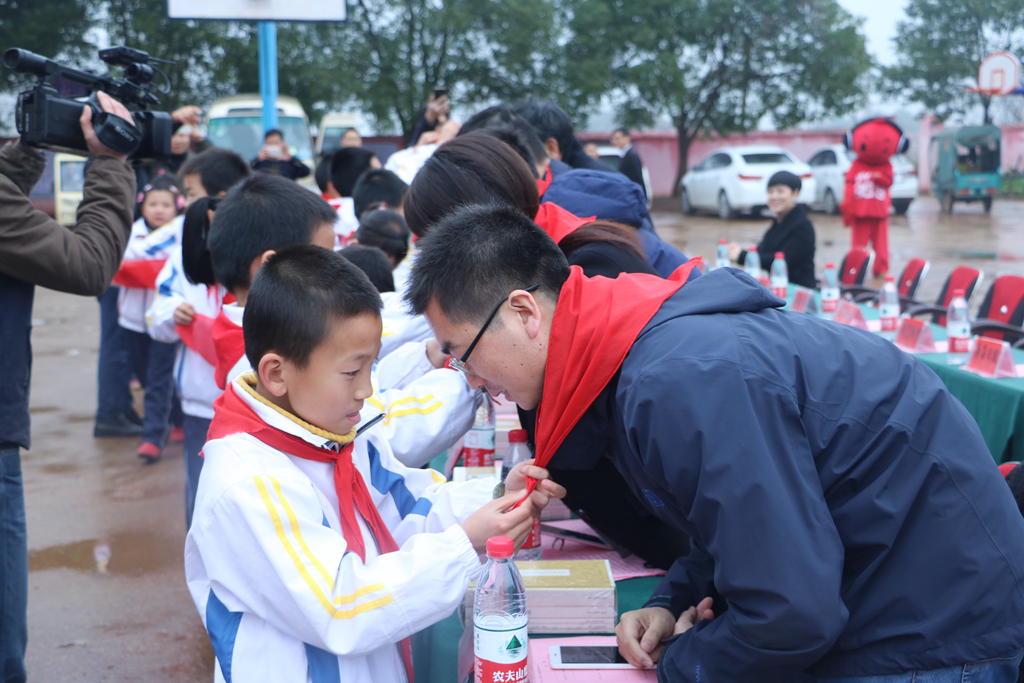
<point>866,198</point>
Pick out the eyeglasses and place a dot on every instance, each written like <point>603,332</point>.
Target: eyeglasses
<point>460,363</point>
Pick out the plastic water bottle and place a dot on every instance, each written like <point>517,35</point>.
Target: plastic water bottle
<point>752,263</point>
<point>722,255</point>
<point>478,446</point>
<point>829,290</point>
<point>780,276</point>
<point>958,329</point>
<point>519,450</point>
<point>499,617</point>
<point>889,307</point>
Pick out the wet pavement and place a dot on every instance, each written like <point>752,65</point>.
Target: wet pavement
<point>90,499</point>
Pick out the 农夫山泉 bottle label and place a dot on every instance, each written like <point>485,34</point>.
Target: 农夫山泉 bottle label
<point>478,448</point>
<point>959,344</point>
<point>500,656</point>
<point>533,540</point>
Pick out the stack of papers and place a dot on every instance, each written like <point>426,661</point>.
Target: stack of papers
<point>566,596</point>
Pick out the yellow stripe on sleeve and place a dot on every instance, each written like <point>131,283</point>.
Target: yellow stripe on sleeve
<point>375,402</point>
<point>412,411</point>
<point>373,588</point>
<point>297,533</point>
<point>304,573</point>
<point>438,477</point>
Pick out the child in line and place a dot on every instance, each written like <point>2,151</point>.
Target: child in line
<point>206,176</point>
<point>374,263</point>
<point>264,214</point>
<point>381,189</point>
<point>347,164</point>
<point>153,236</point>
<point>314,551</point>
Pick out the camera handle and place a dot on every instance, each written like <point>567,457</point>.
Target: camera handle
<point>113,131</point>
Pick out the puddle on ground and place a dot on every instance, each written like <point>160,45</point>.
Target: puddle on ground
<point>60,468</point>
<point>127,553</point>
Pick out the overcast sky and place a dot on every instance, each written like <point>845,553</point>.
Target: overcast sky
<point>880,24</point>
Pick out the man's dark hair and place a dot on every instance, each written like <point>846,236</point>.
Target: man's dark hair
<point>377,186</point>
<point>273,131</point>
<point>479,254</point>
<point>296,296</point>
<point>195,230</point>
<point>265,212</point>
<point>218,169</point>
<point>790,180</point>
<point>322,173</point>
<point>374,263</point>
<point>347,164</point>
<point>511,137</point>
<point>385,230</point>
<point>623,131</point>
<point>549,120</point>
<point>503,115</point>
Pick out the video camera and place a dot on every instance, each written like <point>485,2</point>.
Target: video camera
<point>48,117</point>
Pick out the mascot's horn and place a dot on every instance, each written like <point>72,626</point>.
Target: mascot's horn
<point>902,146</point>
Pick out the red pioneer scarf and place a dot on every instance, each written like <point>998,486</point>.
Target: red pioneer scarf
<point>595,324</point>
<point>544,183</point>
<point>198,336</point>
<point>557,222</point>
<point>140,274</point>
<point>229,342</point>
<point>234,416</point>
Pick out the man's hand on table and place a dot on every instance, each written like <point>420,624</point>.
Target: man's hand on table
<point>640,633</point>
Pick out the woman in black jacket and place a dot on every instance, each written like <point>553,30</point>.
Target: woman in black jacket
<point>791,232</point>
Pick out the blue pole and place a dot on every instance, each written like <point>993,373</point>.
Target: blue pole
<point>268,73</point>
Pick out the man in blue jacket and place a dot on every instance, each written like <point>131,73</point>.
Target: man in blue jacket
<point>847,521</point>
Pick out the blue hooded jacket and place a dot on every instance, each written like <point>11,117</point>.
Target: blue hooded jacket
<point>614,197</point>
<point>844,512</point>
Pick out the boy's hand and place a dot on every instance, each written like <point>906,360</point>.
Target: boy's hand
<point>495,519</point>
<point>184,314</point>
<point>546,489</point>
<point>640,632</point>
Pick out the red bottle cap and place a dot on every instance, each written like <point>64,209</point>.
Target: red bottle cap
<point>752,247</point>
<point>959,292</point>
<point>890,278</point>
<point>830,264</point>
<point>780,255</point>
<point>500,547</point>
<point>722,241</point>
<point>517,436</point>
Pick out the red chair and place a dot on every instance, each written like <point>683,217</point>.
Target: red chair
<point>963,277</point>
<point>1001,315</point>
<point>910,279</point>
<point>854,268</point>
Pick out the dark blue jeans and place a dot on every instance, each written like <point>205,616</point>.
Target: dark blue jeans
<point>114,395</point>
<point>1001,669</point>
<point>195,438</point>
<point>13,567</point>
<point>153,363</point>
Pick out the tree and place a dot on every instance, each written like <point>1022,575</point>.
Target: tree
<point>56,33</point>
<point>941,46</point>
<point>720,65</point>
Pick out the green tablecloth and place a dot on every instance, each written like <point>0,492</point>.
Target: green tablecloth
<point>435,650</point>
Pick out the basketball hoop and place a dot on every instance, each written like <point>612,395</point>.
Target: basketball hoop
<point>999,74</point>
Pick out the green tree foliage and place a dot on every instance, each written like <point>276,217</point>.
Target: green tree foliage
<point>941,46</point>
<point>718,65</point>
<point>56,33</point>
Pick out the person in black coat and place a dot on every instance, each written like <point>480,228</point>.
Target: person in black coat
<point>631,165</point>
<point>555,130</point>
<point>791,232</point>
<point>275,158</point>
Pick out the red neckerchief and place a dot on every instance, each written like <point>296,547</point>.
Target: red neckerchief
<point>544,183</point>
<point>229,345</point>
<point>595,324</point>
<point>233,415</point>
<point>557,222</point>
<point>198,336</point>
<point>140,274</point>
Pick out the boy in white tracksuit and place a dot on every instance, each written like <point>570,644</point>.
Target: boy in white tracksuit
<point>314,554</point>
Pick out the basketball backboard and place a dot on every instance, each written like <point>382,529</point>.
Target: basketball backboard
<point>258,10</point>
<point>999,74</point>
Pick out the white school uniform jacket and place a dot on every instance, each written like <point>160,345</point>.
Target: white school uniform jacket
<point>269,571</point>
<point>400,326</point>
<point>347,223</point>
<point>143,245</point>
<point>193,375</point>
<point>426,410</point>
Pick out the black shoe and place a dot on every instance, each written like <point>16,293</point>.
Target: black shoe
<point>133,417</point>
<point>119,426</point>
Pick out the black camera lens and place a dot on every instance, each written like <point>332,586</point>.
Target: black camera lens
<point>139,73</point>
<point>24,61</point>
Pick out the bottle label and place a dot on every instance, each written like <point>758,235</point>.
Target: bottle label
<point>500,656</point>
<point>959,344</point>
<point>829,300</point>
<point>478,448</point>
<point>780,291</point>
<point>533,540</point>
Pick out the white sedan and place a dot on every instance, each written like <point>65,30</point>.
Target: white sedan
<point>734,179</point>
<point>829,169</point>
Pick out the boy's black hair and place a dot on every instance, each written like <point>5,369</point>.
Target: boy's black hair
<point>195,257</point>
<point>322,173</point>
<point>548,119</point>
<point>503,115</point>
<point>347,164</point>
<point>386,230</point>
<point>218,169</point>
<point>296,296</point>
<point>374,263</point>
<point>376,186</point>
<point>510,136</point>
<point>265,212</point>
<point>478,254</point>
<point>273,131</point>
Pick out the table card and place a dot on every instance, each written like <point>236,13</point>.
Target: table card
<point>991,358</point>
<point>850,314</point>
<point>804,301</point>
<point>915,336</point>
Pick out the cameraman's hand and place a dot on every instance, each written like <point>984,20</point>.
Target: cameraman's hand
<point>184,314</point>
<point>112,106</point>
<point>191,114</point>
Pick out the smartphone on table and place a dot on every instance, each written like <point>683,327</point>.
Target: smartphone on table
<point>586,657</point>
